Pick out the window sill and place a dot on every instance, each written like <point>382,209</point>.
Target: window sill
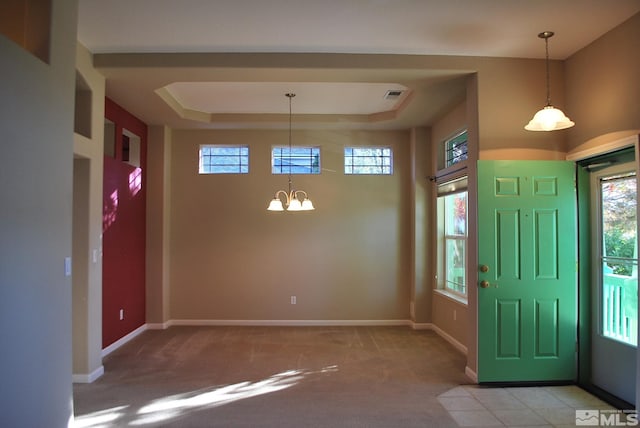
<point>452,296</point>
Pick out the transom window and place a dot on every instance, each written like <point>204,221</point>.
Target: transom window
<point>295,160</point>
<point>215,159</point>
<point>368,160</point>
<point>455,149</point>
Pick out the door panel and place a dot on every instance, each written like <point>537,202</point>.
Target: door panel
<point>527,300</point>
<point>508,244</point>
<point>546,328</point>
<point>546,244</point>
<point>508,323</point>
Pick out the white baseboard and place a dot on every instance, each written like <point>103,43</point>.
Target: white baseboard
<point>446,336</point>
<point>159,326</point>
<point>459,346</point>
<point>118,343</point>
<point>422,326</point>
<point>89,377</point>
<point>289,323</point>
<point>471,374</point>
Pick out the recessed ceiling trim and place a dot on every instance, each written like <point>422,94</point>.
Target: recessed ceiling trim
<point>260,101</point>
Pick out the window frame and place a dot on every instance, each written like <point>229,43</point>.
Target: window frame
<point>315,152</point>
<point>443,285</point>
<point>607,315</point>
<point>353,165</point>
<point>451,162</point>
<point>242,168</point>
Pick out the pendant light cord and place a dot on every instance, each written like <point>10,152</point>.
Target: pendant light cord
<point>545,35</point>
<point>546,45</point>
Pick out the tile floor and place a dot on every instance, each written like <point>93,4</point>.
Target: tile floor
<point>553,406</point>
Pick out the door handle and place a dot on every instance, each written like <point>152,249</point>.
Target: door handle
<point>484,268</point>
<point>486,284</point>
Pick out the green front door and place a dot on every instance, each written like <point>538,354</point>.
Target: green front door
<point>527,280</point>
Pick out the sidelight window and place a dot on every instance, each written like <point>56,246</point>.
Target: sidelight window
<point>452,236</point>
<point>619,258</point>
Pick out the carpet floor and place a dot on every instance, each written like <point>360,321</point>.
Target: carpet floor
<point>274,377</point>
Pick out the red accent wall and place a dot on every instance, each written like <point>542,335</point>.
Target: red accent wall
<point>123,229</point>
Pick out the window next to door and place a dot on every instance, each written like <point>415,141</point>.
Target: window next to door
<point>619,257</point>
<point>452,238</point>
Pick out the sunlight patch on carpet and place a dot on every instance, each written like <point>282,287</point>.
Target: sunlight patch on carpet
<point>171,407</point>
<point>175,406</point>
<point>99,419</point>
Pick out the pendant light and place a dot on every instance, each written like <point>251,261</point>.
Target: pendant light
<point>549,118</point>
<point>295,200</point>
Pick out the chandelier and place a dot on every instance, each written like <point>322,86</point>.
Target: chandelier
<point>549,118</point>
<point>294,200</point>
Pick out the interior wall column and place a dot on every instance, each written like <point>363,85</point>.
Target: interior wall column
<point>87,228</point>
<point>158,226</point>
<point>422,224</point>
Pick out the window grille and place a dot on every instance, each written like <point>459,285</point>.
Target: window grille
<point>455,149</point>
<point>216,159</point>
<point>368,160</point>
<point>295,160</point>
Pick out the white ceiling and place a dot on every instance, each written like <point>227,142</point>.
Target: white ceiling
<point>264,97</point>
<point>497,28</point>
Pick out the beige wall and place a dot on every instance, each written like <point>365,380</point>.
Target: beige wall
<point>87,224</point>
<point>510,91</point>
<point>603,88</point>
<point>452,317</point>
<point>232,259</point>
<point>158,225</point>
<point>421,221</point>
<point>452,122</point>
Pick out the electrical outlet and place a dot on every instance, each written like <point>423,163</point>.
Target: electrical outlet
<point>293,300</point>
<point>121,314</point>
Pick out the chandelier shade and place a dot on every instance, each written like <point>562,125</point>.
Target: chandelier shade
<point>294,200</point>
<point>275,205</point>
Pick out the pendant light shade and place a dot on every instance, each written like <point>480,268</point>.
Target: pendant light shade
<point>548,118</point>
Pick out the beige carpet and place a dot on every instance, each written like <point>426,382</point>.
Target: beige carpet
<point>274,377</point>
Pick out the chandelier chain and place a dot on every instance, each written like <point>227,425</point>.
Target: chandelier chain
<point>290,95</point>
<point>546,45</point>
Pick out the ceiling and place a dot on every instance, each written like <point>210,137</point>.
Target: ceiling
<point>185,63</point>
